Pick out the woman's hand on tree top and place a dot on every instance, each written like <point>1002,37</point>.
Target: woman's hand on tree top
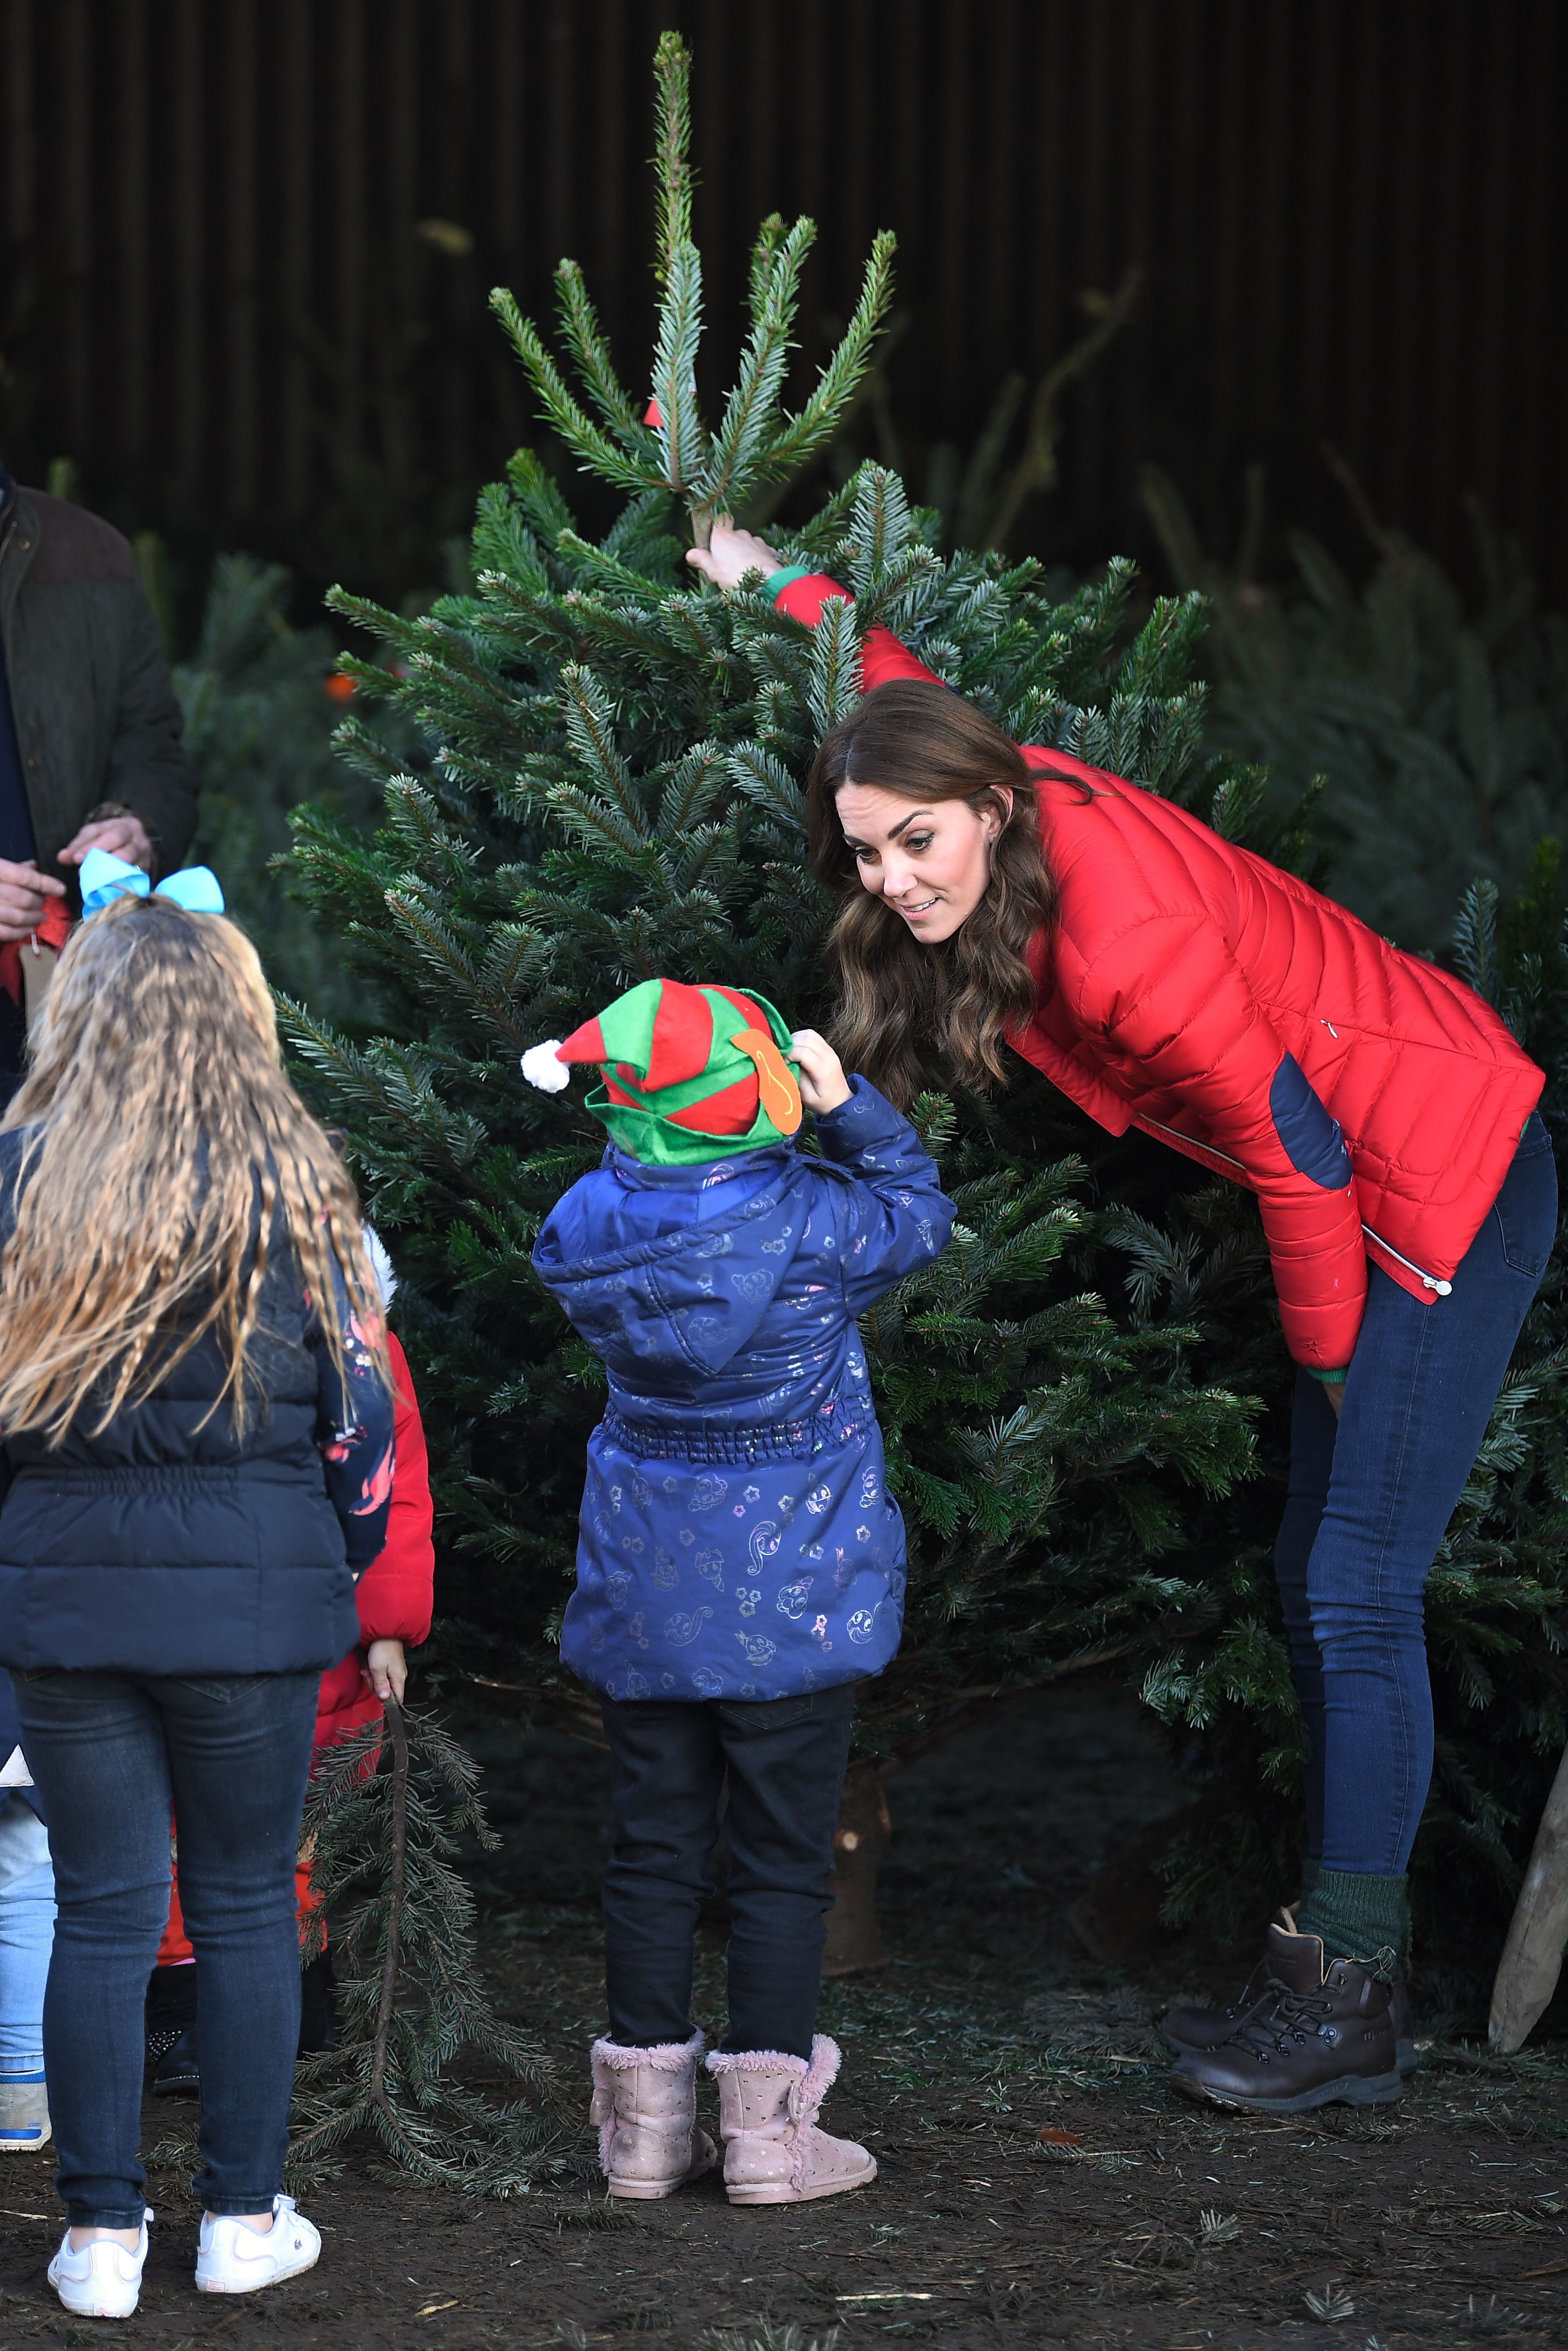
<point>730,554</point>
<point>818,1068</point>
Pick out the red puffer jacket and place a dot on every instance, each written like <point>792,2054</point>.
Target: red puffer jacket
<point>394,1596</point>
<point>1193,990</point>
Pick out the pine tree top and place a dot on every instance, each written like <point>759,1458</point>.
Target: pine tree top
<point>664,444</point>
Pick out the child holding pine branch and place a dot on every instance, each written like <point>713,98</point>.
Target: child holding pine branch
<point>740,1564</point>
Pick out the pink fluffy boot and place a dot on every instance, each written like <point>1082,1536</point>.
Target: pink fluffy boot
<point>645,2104</point>
<point>768,2109</point>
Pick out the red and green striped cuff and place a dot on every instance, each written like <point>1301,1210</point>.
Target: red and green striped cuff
<point>777,582</point>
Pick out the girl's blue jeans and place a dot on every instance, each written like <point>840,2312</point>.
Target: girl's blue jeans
<point>113,1754</point>
<point>1369,1501</point>
<point>27,1934</point>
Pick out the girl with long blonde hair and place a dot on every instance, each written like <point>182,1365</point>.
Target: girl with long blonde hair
<point>197,1457</point>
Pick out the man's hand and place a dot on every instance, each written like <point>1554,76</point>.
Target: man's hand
<point>818,1071</point>
<point>730,554</point>
<point>386,1669</point>
<point>24,894</point>
<point>120,836</point>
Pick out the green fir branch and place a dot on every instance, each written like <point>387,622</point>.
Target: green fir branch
<point>599,455</point>
<point>834,673</point>
<point>585,340</point>
<point>743,435</point>
<point>839,380</point>
<point>673,179</point>
<point>682,440</point>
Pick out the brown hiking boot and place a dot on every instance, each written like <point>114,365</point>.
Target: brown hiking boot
<point>1187,2028</point>
<point>1317,2035</point>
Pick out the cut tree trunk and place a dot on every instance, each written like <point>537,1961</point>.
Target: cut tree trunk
<point>854,1939</point>
<point>1532,1956</point>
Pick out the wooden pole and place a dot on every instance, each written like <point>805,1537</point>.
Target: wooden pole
<point>1532,1956</point>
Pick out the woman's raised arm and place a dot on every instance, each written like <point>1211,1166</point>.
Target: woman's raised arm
<point>731,554</point>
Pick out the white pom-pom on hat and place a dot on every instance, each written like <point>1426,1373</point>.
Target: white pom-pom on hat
<point>543,1067</point>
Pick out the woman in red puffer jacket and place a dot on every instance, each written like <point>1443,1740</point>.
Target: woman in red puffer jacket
<point>997,900</point>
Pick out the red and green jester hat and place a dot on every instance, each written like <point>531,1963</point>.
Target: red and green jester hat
<point>690,1072</point>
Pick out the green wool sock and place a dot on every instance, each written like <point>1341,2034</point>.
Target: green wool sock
<point>1358,1917</point>
<point>1311,1871</point>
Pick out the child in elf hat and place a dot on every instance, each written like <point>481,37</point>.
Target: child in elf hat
<point>740,1564</point>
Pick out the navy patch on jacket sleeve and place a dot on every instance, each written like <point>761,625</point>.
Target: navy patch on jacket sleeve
<point>1311,1139</point>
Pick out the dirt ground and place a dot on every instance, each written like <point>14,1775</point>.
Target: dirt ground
<point>1039,2183</point>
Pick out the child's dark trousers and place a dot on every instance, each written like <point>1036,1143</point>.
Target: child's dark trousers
<point>785,1759</point>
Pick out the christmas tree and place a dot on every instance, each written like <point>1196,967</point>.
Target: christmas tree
<point>611,792</point>
<point>1442,732</point>
<point>259,718</point>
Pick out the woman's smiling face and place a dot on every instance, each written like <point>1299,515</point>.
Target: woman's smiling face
<point>931,862</point>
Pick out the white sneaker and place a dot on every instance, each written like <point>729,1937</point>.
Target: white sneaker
<point>101,2280</point>
<point>234,2259</point>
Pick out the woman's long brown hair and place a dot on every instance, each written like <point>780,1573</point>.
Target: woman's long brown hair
<point>909,1013</point>
<point>166,1138</point>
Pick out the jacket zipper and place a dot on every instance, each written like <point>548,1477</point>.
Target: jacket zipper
<point>1427,1281</point>
<point>1191,1140</point>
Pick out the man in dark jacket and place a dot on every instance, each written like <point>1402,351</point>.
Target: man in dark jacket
<point>90,729</point>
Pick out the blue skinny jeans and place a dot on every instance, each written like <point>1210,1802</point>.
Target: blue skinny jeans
<point>113,1754</point>
<point>26,1936</point>
<point>1369,1501</point>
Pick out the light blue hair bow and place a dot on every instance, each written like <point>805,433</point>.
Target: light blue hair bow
<point>105,878</point>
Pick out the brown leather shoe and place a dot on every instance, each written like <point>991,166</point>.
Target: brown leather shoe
<point>1187,2028</point>
<point>1320,2034</point>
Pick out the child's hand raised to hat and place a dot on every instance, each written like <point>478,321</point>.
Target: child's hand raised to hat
<point>818,1071</point>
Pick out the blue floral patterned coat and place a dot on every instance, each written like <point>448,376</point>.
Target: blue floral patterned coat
<point>737,1539</point>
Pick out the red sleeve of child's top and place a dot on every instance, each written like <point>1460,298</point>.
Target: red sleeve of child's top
<point>395,1593</point>
<point>884,656</point>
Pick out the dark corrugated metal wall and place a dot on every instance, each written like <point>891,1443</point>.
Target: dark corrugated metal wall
<point>1351,214</point>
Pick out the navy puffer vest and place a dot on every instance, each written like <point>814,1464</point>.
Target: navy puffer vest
<point>164,1544</point>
